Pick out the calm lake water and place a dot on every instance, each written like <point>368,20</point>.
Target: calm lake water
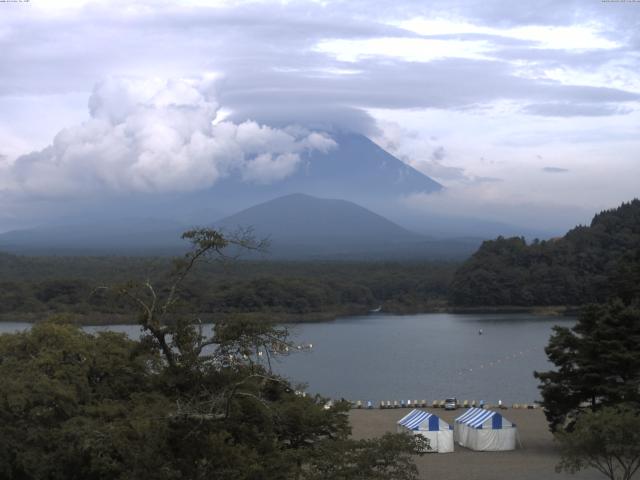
<point>427,356</point>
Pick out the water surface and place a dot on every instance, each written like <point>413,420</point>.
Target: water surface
<point>427,356</point>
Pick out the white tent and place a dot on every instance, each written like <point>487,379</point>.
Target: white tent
<point>437,431</point>
<point>480,429</point>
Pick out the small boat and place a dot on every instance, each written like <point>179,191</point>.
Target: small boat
<point>480,332</point>
<point>376,310</point>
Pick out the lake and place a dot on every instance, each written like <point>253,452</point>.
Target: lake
<point>427,356</point>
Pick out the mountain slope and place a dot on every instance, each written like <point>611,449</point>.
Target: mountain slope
<point>299,227</point>
<point>357,170</point>
<point>589,264</point>
<point>305,227</point>
<point>125,236</point>
<point>303,218</point>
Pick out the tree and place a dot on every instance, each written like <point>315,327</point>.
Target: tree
<point>67,398</point>
<point>607,440</point>
<point>598,364</point>
<point>374,459</point>
<point>589,264</point>
<point>179,403</point>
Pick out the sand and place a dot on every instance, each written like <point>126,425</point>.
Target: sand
<point>536,460</point>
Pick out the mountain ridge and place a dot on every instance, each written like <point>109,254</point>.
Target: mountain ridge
<point>299,226</point>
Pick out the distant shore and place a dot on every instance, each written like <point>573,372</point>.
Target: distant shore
<point>97,319</point>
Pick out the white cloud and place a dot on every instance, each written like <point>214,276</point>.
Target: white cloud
<point>516,148</point>
<point>266,168</point>
<point>588,36</point>
<point>409,49</point>
<point>422,65</point>
<point>426,155</point>
<point>155,135</point>
<point>574,37</point>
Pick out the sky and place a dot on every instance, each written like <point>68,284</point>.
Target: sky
<point>527,112</point>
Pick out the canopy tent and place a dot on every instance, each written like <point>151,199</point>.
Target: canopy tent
<point>480,429</point>
<point>437,431</point>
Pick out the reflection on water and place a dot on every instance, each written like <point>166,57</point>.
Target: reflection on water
<point>428,356</point>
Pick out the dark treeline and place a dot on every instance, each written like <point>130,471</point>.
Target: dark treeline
<point>31,287</point>
<point>590,264</point>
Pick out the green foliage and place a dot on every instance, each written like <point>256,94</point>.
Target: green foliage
<point>388,457</point>
<point>64,390</point>
<point>177,404</point>
<point>280,291</point>
<point>607,440</point>
<point>598,363</point>
<point>77,406</point>
<point>589,264</point>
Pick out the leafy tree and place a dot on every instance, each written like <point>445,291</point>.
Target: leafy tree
<point>607,440</point>
<point>374,459</point>
<point>180,403</point>
<point>598,363</point>
<point>68,396</point>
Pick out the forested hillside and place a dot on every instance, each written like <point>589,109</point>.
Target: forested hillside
<point>589,264</point>
<point>31,288</point>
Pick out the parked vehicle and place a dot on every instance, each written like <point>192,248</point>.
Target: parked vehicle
<point>451,403</point>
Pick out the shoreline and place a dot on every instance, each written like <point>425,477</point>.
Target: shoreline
<point>101,319</point>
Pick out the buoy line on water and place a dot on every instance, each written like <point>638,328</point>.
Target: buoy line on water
<point>499,361</point>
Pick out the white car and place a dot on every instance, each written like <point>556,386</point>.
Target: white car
<point>451,403</point>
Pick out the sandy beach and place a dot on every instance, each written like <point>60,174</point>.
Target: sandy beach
<point>536,460</point>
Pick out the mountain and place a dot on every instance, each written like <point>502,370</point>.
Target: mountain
<point>130,236</point>
<point>302,226</point>
<point>360,171</point>
<point>299,227</point>
<point>357,170</point>
<point>303,218</point>
<point>589,264</point>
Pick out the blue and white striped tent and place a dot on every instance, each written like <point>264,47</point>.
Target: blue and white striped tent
<point>437,431</point>
<point>480,429</point>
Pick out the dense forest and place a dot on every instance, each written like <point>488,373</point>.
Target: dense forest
<point>32,288</point>
<point>590,264</point>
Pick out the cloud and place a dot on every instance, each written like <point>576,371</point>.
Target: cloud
<point>555,170</point>
<point>565,109</point>
<point>556,78</point>
<point>438,154</point>
<point>487,179</point>
<point>491,201</point>
<point>156,135</point>
<point>425,155</point>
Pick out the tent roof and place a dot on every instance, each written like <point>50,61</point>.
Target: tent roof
<point>476,418</point>
<point>415,418</point>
